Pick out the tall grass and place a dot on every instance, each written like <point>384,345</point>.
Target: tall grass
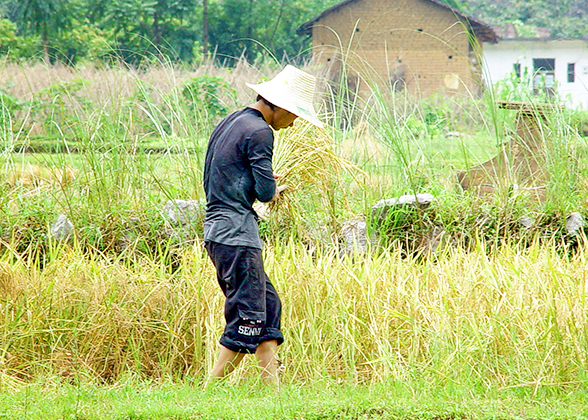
<point>513,319</point>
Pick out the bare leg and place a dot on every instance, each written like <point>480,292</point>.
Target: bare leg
<point>228,360</point>
<point>266,354</point>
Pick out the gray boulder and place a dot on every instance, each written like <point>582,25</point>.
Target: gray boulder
<point>184,212</point>
<point>353,236</point>
<point>527,222</point>
<point>435,241</point>
<point>62,228</point>
<point>574,222</point>
<point>381,208</point>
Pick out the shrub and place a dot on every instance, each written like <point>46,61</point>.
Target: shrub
<point>209,95</point>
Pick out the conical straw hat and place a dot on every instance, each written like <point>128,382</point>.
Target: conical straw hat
<point>292,90</point>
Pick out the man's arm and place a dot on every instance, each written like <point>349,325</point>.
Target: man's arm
<point>260,152</point>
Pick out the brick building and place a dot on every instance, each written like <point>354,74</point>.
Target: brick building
<point>420,45</point>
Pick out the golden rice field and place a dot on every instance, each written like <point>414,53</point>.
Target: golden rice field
<point>514,319</point>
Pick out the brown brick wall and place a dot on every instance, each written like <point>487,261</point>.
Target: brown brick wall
<point>415,40</point>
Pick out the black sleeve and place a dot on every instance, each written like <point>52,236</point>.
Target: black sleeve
<point>260,151</point>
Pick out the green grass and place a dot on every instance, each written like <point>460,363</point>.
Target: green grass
<point>132,400</point>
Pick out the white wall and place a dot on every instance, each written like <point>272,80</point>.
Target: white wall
<point>499,60</point>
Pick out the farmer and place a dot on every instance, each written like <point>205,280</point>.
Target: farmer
<point>238,171</point>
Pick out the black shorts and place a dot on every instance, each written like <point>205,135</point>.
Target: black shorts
<point>252,307</point>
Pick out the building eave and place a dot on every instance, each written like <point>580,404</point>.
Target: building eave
<point>544,39</point>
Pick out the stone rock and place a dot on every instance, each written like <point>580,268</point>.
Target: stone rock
<point>381,208</point>
<point>184,212</point>
<point>434,241</point>
<point>574,222</point>
<point>62,228</point>
<point>527,221</point>
<point>354,237</point>
<point>408,199</point>
<point>453,134</point>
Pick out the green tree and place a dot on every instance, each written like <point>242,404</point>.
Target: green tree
<point>566,18</point>
<point>74,29</point>
<point>140,27</point>
<point>252,28</point>
<point>83,42</point>
<point>44,18</point>
<point>8,38</point>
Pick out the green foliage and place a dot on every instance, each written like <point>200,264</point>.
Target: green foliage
<point>8,38</point>
<point>456,4</point>
<point>566,18</point>
<point>524,30</point>
<point>255,28</point>
<point>144,28</point>
<point>8,105</point>
<point>514,88</point>
<point>9,119</point>
<point>522,89</point>
<point>83,42</point>
<point>13,46</point>
<point>207,95</point>
<point>43,18</point>
<point>58,107</point>
<point>143,31</point>
<point>437,115</point>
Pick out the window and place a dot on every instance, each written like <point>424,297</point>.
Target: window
<point>544,75</point>
<point>517,70</point>
<point>571,72</point>
<point>544,64</point>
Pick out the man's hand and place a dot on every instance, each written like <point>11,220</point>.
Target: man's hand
<point>279,189</point>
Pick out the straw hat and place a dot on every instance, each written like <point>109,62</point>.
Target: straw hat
<point>292,90</point>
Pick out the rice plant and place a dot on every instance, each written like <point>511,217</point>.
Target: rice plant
<point>514,319</point>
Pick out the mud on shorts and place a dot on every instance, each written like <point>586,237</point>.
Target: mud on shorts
<point>252,307</point>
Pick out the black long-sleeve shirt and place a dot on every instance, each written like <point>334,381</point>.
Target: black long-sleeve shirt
<point>237,171</point>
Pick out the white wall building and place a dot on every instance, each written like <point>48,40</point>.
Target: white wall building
<point>554,64</point>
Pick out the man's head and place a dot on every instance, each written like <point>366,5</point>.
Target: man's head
<point>289,95</point>
<point>278,118</point>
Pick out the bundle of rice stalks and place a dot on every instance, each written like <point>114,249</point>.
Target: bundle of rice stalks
<point>305,160</point>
